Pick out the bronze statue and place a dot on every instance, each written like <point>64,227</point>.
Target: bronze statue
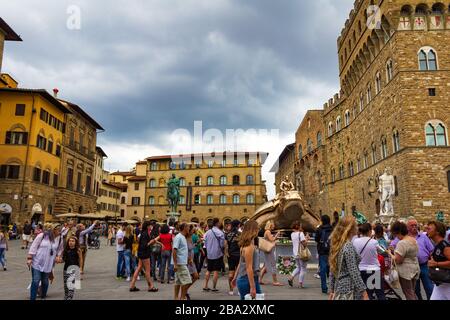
<point>173,192</point>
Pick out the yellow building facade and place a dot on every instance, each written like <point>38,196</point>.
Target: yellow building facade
<point>227,186</point>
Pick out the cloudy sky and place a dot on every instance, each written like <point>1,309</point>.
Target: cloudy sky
<point>145,68</point>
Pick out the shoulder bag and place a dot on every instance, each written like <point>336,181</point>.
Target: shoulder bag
<point>304,253</point>
<point>265,245</point>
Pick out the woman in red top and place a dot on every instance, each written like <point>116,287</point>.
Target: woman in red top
<point>166,252</point>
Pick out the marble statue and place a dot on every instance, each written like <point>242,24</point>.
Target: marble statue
<point>386,188</point>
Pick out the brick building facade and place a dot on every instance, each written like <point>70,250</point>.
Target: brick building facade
<point>393,110</point>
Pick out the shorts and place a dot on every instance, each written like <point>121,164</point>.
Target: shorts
<point>182,276</point>
<point>233,262</point>
<point>26,237</point>
<point>215,264</point>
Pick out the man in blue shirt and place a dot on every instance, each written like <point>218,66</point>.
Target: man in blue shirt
<point>215,244</point>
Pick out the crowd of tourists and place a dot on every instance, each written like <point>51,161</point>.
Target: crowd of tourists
<point>356,261</point>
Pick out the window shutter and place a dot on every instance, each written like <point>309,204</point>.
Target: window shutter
<point>3,171</point>
<point>8,137</point>
<point>25,138</point>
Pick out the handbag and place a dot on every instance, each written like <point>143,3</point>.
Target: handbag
<point>156,248</point>
<point>342,296</point>
<point>393,278</point>
<point>305,253</point>
<point>265,245</point>
<point>439,275</point>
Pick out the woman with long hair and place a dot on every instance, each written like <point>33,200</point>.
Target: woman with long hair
<point>72,257</point>
<point>155,258</point>
<point>270,265</point>
<point>191,263</point>
<point>298,239</point>
<point>246,277</point>
<point>45,250</point>
<point>166,239</point>
<point>128,240</point>
<point>345,281</point>
<point>144,253</point>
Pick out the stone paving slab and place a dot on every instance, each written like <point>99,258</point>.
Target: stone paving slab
<point>99,282</point>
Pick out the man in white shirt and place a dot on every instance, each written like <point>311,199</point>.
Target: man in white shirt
<point>180,261</point>
<point>120,247</point>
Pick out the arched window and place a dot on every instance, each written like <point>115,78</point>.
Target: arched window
<point>389,70</point>
<point>374,153</point>
<point>198,181</point>
<point>250,180</point>
<point>210,181</point>
<point>351,169</point>
<point>330,129</point>
<point>396,141</point>
<point>123,201</point>
<point>310,145</point>
<point>384,148</point>
<point>319,139</point>
<point>182,200</point>
<point>152,183</point>
<point>209,199</point>
<point>154,166</point>
<point>347,118</point>
<point>223,180</point>
<point>172,165</point>
<point>198,199</point>
<point>406,10</point>
<point>361,102</point>
<point>358,164</point>
<point>338,124</point>
<point>236,180</point>
<point>436,134</point>
<point>223,199</point>
<point>427,59</point>
<point>422,9</point>
<point>182,182</point>
<point>236,199</point>
<point>438,8</point>
<point>250,199</point>
<point>333,175</point>
<point>369,94</point>
<point>300,152</point>
<point>341,171</point>
<point>151,201</point>
<point>378,83</point>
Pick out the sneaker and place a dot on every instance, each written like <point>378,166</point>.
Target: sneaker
<point>128,279</point>
<point>231,293</point>
<point>317,276</point>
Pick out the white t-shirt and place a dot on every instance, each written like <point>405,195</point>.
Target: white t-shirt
<point>120,235</point>
<point>369,257</point>
<point>295,241</point>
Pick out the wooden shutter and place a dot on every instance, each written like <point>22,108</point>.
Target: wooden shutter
<point>8,137</point>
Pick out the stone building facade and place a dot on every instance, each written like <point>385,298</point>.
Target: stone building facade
<point>228,186</point>
<point>393,110</point>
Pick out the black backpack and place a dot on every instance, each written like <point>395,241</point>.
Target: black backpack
<point>233,245</point>
<point>324,243</point>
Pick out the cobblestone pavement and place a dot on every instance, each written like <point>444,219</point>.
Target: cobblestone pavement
<point>99,282</point>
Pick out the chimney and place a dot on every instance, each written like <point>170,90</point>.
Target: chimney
<point>55,92</point>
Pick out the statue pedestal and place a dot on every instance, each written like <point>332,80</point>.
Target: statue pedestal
<point>386,219</point>
<point>173,216</point>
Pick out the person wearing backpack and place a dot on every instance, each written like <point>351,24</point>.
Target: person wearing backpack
<point>233,252</point>
<point>439,263</point>
<point>323,249</point>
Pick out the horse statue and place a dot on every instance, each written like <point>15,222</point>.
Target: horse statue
<point>173,193</point>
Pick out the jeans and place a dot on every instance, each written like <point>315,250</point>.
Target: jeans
<point>120,263</point>
<point>324,270</point>
<point>426,282</point>
<point>127,258</point>
<point>197,262</point>
<point>379,292</point>
<point>36,277</point>
<point>243,285</point>
<point>154,258</point>
<point>165,262</point>
<point>2,257</point>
